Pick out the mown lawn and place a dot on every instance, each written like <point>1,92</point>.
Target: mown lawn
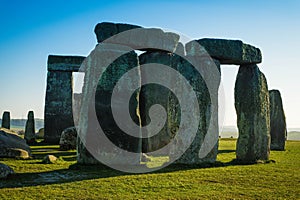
<point>33,180</point>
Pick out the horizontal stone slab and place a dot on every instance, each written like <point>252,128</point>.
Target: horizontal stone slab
<point>105,30</point>
<point>64,63</point>
<point>226,51</point>
<point>148,39</point>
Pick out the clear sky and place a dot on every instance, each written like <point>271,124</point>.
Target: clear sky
<point>31,30</point>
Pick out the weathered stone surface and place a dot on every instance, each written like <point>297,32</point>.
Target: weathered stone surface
<point>155,94</point>
<point>253,114</point>
<point>76,106</point>
<point>40,134</point>
<point>49,159</point>
<point>13,153</point>
<point>58,105</point>
<point>68,139</point>
<point>5,171</point>
<point>145,158</point>
<point>226,51</point>
<point>105,30</point>
<point>64,63</point>
<point>208,127</point>
<point>139,38</point>
<point>13,146</point>
<point>277,121</point>
<point>30,129</point>
<point>6,120</point>
<point>103,88</point>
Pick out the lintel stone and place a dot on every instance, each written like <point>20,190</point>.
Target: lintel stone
<point>64,63</point>
<point>226,51</point>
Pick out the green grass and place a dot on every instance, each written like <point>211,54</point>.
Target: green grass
<point>279,180</point>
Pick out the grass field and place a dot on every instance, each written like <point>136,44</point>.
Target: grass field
<point>275,180</point>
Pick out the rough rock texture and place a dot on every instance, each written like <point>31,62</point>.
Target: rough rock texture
<point>5,171</point>
<point>145,158</point>
<point>49,159</point>
<point>6,120</point>
<point>14,153</point>
<point>158,95</point>
<point>40,134</point>
<point>208,127</point>
<point>103,89</point>
<point>76,106</point>
<point>68,139</point>
<point>30,129</point>
<point>139,38</point>
<point>226,51</point>
<point>105,30</point>
<point>58,103</point>
<point>277,121</point>
<point>13,146</point>
<point>253,114</point>
<point>155,94</point>
<point>64,63</point>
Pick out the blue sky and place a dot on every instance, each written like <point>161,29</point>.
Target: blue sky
<point>31,30</point>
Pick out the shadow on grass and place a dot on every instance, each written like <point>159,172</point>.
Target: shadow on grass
<point>226,151</point>
<point>56,154</point>
<point>77,172</point>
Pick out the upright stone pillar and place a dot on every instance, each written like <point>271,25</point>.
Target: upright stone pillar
<point>207,116</point>
<point>253,114</point>
<point>277,121</point>
<point>94,147</point>
<point>58,103</point>
<point>30,129</point>
<point>152,94</point>
<point>6,120</point>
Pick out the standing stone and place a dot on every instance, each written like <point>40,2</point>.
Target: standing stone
<point>111,146</point>
<point>58,102</point>
<point>155,94</point>
<point>253,114</point>
<point>207,116</point>
<point>6,120</point>
<point>277,121</point>
<point>58,105</point>
<point>30,129</point>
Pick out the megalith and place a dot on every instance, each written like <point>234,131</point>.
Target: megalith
<point>142,39</point>
<point>253,114</point>
<point>6,120</point>
<point>204,147</point>
<point>146,39</point>
<point>110,147</point>
<point>233,52</point>
<point>58,113</point>
<point>105,30</point>
<point>30,129</point>
<point>277,121</point>
<point>152,94</point>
